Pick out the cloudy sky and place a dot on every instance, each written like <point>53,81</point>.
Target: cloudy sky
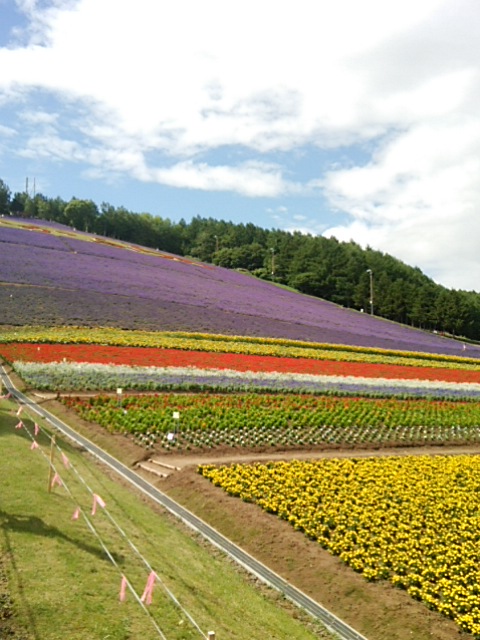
<point>359,120</point>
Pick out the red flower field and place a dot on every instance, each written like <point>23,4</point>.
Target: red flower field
<point>152,357</point>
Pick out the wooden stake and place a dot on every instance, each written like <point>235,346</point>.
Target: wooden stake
<point>50,472</point>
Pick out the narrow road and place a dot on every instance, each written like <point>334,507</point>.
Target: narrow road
<point>248,562</point>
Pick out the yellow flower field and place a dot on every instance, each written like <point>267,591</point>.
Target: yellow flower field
<point>414,521</point>
<point>232,344</point>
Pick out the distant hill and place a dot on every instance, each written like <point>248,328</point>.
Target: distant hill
<point>341,272</point>
<point>53,275</point>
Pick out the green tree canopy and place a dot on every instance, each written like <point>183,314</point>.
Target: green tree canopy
<point>81,214</point>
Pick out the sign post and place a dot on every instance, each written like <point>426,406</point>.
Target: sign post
<point>176,418</point>
<point>171,437</point>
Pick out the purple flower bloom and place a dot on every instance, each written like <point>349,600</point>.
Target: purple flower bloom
<point>51,279</point>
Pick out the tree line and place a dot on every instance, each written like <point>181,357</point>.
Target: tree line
<point>342,272</point>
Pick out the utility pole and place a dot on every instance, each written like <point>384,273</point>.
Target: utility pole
<point>370,272</point>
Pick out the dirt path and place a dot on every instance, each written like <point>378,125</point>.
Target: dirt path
<point>180,461</point>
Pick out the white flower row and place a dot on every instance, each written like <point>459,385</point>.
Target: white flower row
<point>88,375</point>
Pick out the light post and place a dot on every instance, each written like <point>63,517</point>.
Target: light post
<point>370,272</point>
<point>273,262</point>
<point>216,243</point>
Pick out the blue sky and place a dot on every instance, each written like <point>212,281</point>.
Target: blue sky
<point>357,120</point>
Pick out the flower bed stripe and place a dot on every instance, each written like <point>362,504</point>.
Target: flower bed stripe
<point>231,344</point>
<point>145,356</point>
<point>93,377</point>
<point>283,419</point>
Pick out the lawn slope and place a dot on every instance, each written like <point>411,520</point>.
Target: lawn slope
<point>62,583</point>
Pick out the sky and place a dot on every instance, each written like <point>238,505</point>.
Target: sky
<point>357,120</point>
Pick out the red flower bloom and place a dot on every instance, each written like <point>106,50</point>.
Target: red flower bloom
<point>152,357</point>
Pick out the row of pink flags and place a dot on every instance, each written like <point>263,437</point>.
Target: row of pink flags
<point>147,592</point>
<point>97,501</point>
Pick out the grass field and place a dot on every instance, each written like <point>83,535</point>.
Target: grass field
<point>57,581</point>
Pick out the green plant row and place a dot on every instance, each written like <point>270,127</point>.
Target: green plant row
<point>212,420</point>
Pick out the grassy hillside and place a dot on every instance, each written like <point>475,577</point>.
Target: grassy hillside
<point>62,584</point>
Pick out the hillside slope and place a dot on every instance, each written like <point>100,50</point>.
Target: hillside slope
<point>53,275</point>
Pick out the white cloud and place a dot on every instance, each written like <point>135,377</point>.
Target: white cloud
<point>7,131</point>
<point>417,200</point>
<point>39,117</point>
<point>153,90</point>
<point>251,179</point>
<point>54,148</point>
<point>268,75</point>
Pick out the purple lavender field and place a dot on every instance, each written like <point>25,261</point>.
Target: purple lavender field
<point>77,279</point>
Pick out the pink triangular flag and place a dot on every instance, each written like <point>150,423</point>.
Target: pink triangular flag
<point>148,592</point>
<point>36,429</point>
<point>65,461</point>
<point>76,514</point>
<point>19,425</point>
<point>123,589</point>
<point>56,480</point>
<point>99,501</point>
<point>34,445</point>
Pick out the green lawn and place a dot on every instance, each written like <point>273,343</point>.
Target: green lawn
<point>57,581</point>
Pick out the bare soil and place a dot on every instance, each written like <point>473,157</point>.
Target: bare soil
<point>376,610</point>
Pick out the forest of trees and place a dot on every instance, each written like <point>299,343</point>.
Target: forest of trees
<point>341,272</point>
